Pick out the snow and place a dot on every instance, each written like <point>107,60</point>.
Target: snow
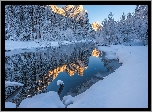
<point>12,45</point>
<point>8,83</point>
<point>43,100</point>
<point>17,47</point>
<point>127,87</point>
<point>59,82</point>
<point>10,105</point>
<point>67,100</point>
<point>110,53</point>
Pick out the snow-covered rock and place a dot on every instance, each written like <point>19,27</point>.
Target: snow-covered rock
<point>43,100</point>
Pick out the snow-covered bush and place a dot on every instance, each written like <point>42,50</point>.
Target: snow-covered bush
<point>59,82</point>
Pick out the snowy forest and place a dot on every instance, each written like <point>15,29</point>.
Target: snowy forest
<point>130,29</point>
<point>100,65</point>
<point>36,22</point>
<point>40,22</point>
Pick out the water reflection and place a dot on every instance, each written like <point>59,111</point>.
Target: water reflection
<point>75,67</point>
<point>36,70</point>
<point>95,53</point>
<point>71,68</point>
<point>71,74</point>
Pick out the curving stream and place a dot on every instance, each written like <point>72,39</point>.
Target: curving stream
<point>39,69</point>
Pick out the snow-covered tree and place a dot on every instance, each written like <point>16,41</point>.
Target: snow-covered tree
<point>141,23</point>
<point>130,28</point>
<point>108,31</point>
<point>39,23</point>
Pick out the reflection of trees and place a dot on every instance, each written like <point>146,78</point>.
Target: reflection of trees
<point>37,69</point>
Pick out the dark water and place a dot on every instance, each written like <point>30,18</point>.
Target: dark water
<point>95,65</point>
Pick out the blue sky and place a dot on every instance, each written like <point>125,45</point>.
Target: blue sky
<point>97,13</point>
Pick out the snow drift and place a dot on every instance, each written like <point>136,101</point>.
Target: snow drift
<point>43,100</point>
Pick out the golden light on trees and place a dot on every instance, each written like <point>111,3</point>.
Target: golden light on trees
<point>50,72</point>
<point>76,9</point>
<point>96,26</point>
<point>57,10</point>
<point>67,7</point>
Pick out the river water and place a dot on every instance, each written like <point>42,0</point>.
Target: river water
<point>39,69</point>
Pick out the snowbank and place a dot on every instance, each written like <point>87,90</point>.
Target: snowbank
<point>11,45</point>
<point>43,100</point>
<point>10,105</point>
<point>127,87</point>
<point>8,83</point>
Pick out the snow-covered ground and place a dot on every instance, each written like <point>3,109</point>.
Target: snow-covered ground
<point>127,87</point>
<point>11,45</point>
<point>8,83</point>
<point>16,47</point>
<point>10,105</point>
<point>43,100</point>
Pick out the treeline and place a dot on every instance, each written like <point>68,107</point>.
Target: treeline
<point>40,23</point>
<point>131,28</point>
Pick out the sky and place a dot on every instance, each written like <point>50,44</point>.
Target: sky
<point>97,13</point>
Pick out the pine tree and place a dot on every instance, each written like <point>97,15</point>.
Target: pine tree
<point>141,23</point>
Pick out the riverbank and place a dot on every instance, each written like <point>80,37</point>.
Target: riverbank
<point>24,45</point>
<point>16,47</point>
<point>127,87</point>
